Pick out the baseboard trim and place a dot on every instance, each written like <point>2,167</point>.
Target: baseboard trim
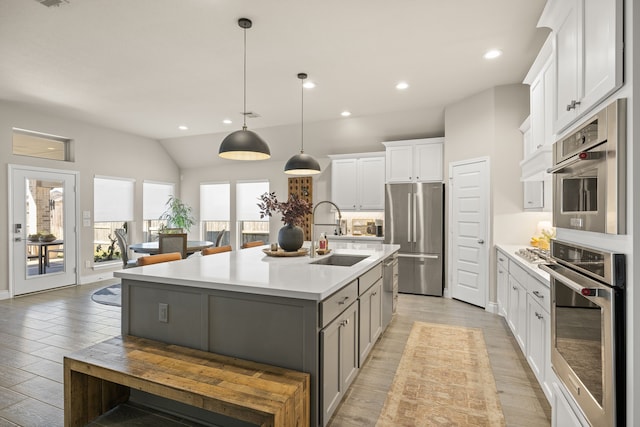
<point>96,277</point>
<point>492,307</point>
<point>4,295</point>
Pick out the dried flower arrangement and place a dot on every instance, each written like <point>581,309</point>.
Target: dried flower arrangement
<point>293,210</point>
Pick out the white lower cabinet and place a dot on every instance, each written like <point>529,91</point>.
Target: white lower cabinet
<point>538,331</point>
<point>339,347</point>
<point>563,413</point>
<point>502,269</point>
<point>517,311</point>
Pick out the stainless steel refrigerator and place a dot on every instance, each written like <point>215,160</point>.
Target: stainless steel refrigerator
<point>414,220</point>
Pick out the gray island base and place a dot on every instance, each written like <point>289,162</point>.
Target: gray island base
<point>287,312</point>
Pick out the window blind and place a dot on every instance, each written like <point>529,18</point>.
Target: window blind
<point>154,199</point>
<point>215,202</point>
<point>247,199</point>
<point>112,199</point>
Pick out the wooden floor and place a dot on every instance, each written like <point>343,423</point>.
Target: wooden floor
<point>37,330</point>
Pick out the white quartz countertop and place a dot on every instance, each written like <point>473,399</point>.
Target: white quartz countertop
<point>511,250</point>
<point>252,271</point>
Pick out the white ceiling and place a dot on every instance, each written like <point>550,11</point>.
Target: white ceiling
<point>147,66</point>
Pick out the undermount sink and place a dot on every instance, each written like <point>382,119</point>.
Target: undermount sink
<point>341,260</point>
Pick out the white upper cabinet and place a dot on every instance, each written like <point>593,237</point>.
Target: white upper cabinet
<point>415,160</point>
<point>357,181</point>
<point>588,54</point>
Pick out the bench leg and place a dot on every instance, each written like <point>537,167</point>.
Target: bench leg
<point>87,397</point>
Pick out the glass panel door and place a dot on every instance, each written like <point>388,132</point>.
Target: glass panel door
<point>43,225</point>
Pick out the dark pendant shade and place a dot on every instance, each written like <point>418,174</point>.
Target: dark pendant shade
<point>244,145</point>
<point>302,164</point>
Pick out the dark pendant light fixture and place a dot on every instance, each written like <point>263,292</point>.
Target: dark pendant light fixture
<point>244,144</point>
<point>302,164</point>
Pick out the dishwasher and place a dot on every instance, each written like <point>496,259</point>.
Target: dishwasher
<point>390,289</point>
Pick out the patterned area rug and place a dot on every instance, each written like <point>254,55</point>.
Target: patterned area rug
<point>108,296</point>
<point>444,379</point>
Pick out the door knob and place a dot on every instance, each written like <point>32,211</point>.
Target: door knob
<point>481,241</point>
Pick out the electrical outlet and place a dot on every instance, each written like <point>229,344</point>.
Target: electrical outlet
<point>87,264</point>
<point>163,312</point>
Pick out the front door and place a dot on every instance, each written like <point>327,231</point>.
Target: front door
<point>43,229</point>
<point>468,230</point>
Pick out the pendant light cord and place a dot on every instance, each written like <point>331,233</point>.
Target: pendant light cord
<point>244,87</point>
<point>302,119</point>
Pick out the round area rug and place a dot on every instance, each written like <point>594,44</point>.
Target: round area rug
<point>108,296</point>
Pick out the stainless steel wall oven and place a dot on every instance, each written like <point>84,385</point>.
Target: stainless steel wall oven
<point>587,329</point>
<point>589,174</point>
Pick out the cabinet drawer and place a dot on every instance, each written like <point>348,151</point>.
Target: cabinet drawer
<point>540,293</point>
<point>502,259</point>
<point>369,278</point>
<point>336,303</point>
<point>519,273</point>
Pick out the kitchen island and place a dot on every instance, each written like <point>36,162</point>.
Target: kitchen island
<point>283,311</point>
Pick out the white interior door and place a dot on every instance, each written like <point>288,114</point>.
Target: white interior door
<point>468,231</point>
<point>43,229</point>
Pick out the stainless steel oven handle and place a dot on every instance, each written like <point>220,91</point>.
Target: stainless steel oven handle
<point>585,155</point>
<point>575,286</point>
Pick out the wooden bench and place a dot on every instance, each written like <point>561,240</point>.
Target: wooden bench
<point>98,378</point>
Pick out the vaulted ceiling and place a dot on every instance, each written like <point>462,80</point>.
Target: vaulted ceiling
<point>149,66</point>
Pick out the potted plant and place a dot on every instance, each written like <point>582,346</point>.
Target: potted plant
<point>178,215</point>
<point>293,211</point>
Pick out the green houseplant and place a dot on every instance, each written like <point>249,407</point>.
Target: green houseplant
<point>178,214</point>
<point>293,211</point>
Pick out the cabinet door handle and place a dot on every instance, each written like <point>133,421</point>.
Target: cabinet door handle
<point>539,316</point>
<point>374,294</point>
<point>515,288</point>
<point>501,259</point>
<point>538,294</point>
<point>344,300</point>
<point>572,105</point>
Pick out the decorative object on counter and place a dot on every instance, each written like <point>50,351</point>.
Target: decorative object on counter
<point>323,251</point>
<point>425,369</point>
<point>546,232</point>
<point>302,187</point>
<point>244,144</point>
<point>302,164</point>
<point>291,236</point>
<point>177,214</point>
<point>283,253</point>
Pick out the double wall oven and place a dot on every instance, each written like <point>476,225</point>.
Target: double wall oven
<point>588,284</point>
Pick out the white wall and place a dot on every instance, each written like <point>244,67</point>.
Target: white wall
<point>98,151</point>
<point>487,125</point>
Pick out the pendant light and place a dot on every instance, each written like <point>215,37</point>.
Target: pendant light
<point>302,164</point>
<point>244,144</point>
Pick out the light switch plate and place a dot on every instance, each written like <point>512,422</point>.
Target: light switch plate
<point>163,312</point>
<point>86,214</point>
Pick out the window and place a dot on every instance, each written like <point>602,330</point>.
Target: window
<point>154,202</point>
<point>35,144</point>
<point>215,211</point>
<point>250,226</point>
<point>112,209</point>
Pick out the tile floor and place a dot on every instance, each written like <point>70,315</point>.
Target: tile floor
<point>37,330</point>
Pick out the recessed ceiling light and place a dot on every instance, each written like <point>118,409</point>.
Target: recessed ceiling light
<point>309,85</point>
<point>345,113</point>
<point>493,53</point>
<point>183,127</point>
<point>227,121</point>
<point>402,85</point>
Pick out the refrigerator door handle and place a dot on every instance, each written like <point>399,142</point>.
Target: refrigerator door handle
<point>415,206</point>
<point>409,210</point>
<point>420,256</point>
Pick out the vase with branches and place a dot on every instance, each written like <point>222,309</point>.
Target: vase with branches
<point>293,211</point>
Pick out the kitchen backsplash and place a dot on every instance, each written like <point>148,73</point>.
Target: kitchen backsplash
<point>355,223</point>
